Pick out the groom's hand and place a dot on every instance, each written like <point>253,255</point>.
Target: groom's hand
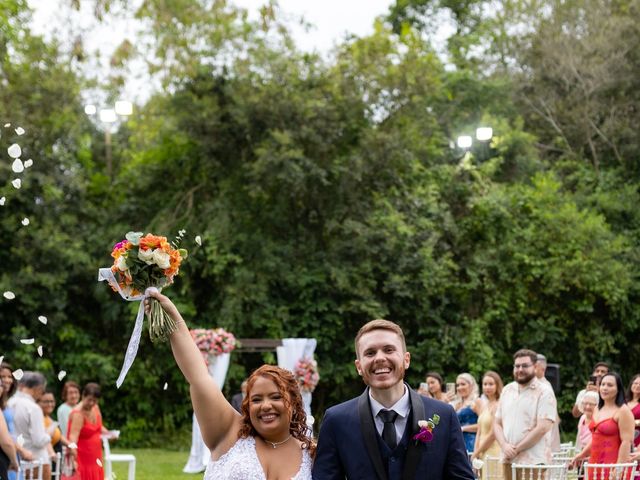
<point>509,451</point>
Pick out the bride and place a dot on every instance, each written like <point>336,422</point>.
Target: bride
<point>269,440</point>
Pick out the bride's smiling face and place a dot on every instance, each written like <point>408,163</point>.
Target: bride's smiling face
<point>268,410</point>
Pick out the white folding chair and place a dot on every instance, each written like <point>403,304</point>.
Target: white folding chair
<point>55,472</point>
<point>538,472</point>
<point>30,470</point>
<point>109,458</point>
<point>566,449</point>
<point>560,459</point>
<point>609,471</point>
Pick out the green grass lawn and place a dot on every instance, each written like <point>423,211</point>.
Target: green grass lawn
<point>155,464</point>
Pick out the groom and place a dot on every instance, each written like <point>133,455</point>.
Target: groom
<point>371,437</point>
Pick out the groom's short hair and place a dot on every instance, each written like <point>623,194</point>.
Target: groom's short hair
<point>381,324</point>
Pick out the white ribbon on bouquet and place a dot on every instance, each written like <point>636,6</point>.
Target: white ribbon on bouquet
<point>134,341</point>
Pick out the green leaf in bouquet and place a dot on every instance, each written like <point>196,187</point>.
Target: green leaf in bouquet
<point>183,253</point>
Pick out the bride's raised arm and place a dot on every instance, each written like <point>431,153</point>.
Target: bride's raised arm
<point>217,419</point>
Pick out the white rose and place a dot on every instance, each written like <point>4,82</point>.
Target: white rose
<point>121,263</point>
<point>146,256</point>
<point>162,259</point>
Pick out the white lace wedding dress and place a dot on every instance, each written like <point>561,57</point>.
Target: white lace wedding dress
<point>241,463</point>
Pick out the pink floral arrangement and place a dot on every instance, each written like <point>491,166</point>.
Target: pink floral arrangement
<point>306,373</point>
<point>213,342</point>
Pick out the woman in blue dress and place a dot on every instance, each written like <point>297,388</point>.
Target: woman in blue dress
<point>467,405</point>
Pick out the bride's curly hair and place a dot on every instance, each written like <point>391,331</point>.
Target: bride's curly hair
<point>290,391</point>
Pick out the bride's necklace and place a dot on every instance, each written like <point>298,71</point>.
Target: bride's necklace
<point>277,444</point>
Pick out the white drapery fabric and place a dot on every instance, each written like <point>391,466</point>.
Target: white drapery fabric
<point>292,350</point>
<point>200,454</point>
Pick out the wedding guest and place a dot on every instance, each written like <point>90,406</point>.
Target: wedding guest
<point>236,400</point>
<point>587,407</point>
<point>8,455</point>
<point>525,414</point>
<point>436,386</point>
<point>29,420</point>
<point>599,369</point>
<point>70,396</point>
<point>47,403</point>
<point>85,430</point>
<point>633,402</point>
<point>486,444</point>
<point>268,439</point>
<point>9,387</point>
<point>611,426</point>
<point>467,405</point>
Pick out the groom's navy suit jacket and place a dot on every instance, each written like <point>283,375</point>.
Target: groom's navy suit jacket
<point>349,445</point>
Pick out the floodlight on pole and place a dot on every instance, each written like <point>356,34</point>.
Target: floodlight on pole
<point>124,108</point>
<point>464,141</point>
<point>484,134</point>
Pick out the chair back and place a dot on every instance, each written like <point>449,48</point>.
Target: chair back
<point>492,469</point>
<point>566,449</point>
<point>30,470</point>
<point>609,471</point>
<point>106,457</point>
<point>55,472</point>
<point>538,472</point>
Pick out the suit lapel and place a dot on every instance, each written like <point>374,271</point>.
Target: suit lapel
<point>414,450</point>
<point>369,434</point>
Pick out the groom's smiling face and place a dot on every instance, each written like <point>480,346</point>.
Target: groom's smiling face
<point>381,360</point>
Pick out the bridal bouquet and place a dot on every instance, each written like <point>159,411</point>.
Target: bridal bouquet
<point>306,373</point>
<point>141,262</point>
<point>213,342</point>
<point>147,261</point>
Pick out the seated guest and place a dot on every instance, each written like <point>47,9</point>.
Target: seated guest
<point>587,406</point>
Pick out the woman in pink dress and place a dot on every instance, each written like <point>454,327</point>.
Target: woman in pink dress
<point>633,402</point>
<point>85,428</point>
<point>611,427</point>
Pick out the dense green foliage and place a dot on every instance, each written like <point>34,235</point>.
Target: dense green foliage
<point>327,193</point>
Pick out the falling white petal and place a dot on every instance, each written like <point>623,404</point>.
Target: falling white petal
<point>28,163</point>
<point>99,462</point>
<point>1,359</point>
<point>199,240</point>
<point>42,319</point>
<point>14,151</point>
<point>20,440</point>
<point>40,350</point>
<point>17,166</point>
<point>17,374</point>
<point>61,374</point>
<point>7,125</point>
<point>20,131</point>
<point>166,385</point>
<point>25,221</point>
<point>2,200</point>
<point>27,341</point>
<point>17,183</point>
<point>9,295</point>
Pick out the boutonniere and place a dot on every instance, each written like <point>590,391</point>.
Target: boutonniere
<point>426,429</point>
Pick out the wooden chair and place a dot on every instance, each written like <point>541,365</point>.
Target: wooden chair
<point>109,458</point>
<point>609,471</point>
<point>30,470</point>
<point>538,472</point>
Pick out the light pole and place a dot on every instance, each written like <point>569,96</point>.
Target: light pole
<point>109,116</point>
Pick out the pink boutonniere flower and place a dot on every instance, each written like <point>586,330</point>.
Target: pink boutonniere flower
<point>426,429</point>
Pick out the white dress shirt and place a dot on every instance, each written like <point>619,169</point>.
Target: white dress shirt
<point>29,422</point>
<point>402,407</point>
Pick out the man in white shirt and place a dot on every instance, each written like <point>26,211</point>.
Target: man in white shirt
<point>525,414</point>
<point>554,433</point>
<point>29,419</point>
